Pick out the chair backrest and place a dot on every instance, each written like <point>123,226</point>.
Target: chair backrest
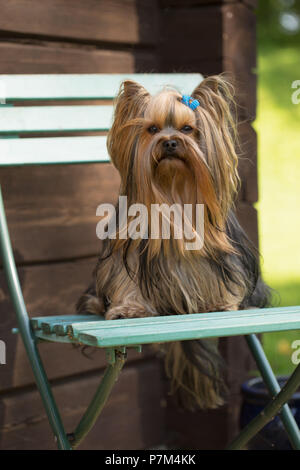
<point>47,110</point>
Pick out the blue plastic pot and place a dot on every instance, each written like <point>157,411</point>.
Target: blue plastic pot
<point>255,398</point>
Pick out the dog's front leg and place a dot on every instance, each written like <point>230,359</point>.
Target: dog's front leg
<point>129,309</point>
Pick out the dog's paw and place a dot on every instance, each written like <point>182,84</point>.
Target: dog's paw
<point>125,311</point>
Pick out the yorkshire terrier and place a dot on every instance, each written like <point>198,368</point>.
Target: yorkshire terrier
<point>173,149</point>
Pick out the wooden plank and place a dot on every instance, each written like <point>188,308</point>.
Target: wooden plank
<point>239,54</point>
<point>48,290</point>
<point>225,34</point>
<point>61,224</point>
<point>133,418</point>
<point>97,332</point>
<point>47,58</point>
<point>202,38</point>
<point>248,162</point>
<point>55,321</point>
<point>178,328</point>
<point>88,86</point>
<point>240,362</point>
<point>174,322</point>
<point>59,150</point>
<point>55,119</point>
<point>120,21</point>
<point>247,216</point>
<point>56,326</point>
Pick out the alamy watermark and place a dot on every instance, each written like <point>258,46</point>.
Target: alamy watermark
<point>2,92</point>
<point>133,222</point>
<point>296,94</point>
<point>2,352</point>
<point>296,354</point>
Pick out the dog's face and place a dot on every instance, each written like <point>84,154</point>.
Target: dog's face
<point>167,152</point>
<point>169,129</point>
<point>167,158</point>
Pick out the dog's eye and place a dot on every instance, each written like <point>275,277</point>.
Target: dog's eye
<point>186,129</point>
<point>153,129</point>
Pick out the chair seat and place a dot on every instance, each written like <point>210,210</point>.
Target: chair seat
<point>92,330</point>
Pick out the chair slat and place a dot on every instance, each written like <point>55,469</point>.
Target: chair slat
<point>186,320</point>
<point>39,323</point>
<point>75,328</point>
<point>87,86</point>
<point>171,328</point>
<point>58,150</point>
<point>200,326</point>
<point>55,119</point>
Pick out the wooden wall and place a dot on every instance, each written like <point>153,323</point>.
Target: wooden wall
<point>51,211</point>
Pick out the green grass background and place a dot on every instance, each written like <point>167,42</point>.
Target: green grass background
<point>278,129</point>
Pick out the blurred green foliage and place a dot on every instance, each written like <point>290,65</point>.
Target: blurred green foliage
<point>277,22</point>
<point>278,126</point>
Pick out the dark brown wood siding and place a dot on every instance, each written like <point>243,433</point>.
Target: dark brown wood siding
<point>51,211</point>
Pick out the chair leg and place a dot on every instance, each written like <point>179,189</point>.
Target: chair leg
<point>279,402</point>
<point>43,386</point>
<point>27,334</point>
<point>96,406</point>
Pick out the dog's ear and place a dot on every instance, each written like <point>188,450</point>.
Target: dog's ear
<point>216,95</point>
<point>217,125</point>
<point>133,89</point>
<point>130,105</point>
<point>130,102</point>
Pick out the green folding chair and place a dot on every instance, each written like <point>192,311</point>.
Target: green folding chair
<point>115,337</point>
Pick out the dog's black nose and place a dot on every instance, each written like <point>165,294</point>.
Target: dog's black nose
<point>170,145</point>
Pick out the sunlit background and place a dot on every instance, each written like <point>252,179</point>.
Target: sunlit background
<point>278,129</point>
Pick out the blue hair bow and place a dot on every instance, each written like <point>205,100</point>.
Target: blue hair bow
<point>190,102</point>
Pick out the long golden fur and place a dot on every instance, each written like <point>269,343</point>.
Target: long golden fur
<point>145,276</point>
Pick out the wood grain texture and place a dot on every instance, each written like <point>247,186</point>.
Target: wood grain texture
<point>248,163</point>
<point>202,37</point>
<point>182,327</point>
<point>120,21</point>
<point>247,216</point>
<point>239,54</point>
<point>217,39</point>
<point>51,211</point>
<point>48,57</point>
<point>133,418</point>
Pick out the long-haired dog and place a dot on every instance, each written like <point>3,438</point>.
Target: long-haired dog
<point>173,149</point>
